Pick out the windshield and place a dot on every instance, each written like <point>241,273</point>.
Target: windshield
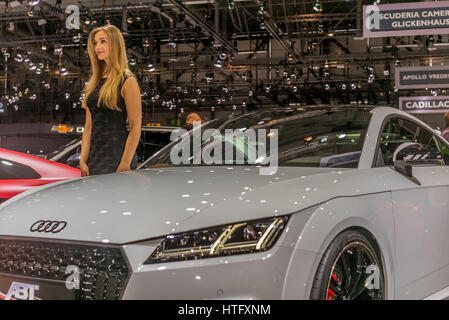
<point>305,137</point>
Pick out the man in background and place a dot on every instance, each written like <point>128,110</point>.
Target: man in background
<point>191,118</point>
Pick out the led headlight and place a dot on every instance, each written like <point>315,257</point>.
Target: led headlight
<point>233,239</point>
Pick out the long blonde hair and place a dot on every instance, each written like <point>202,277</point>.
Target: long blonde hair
<point>119,65</point>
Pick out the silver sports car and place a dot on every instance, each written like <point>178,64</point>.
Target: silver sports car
<point>336,203</point>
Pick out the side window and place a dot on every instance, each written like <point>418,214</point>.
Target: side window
<point>398,131</point>
<point>14,170</point>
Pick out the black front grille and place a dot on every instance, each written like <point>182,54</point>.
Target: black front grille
<point>103,269</point>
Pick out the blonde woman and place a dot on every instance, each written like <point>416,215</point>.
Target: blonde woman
<point>112,97</point>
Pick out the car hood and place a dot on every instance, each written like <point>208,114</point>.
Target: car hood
<point>137,205</point>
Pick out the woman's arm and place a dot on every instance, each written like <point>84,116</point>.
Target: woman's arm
<point>85,144</point>
<point>131,94</point>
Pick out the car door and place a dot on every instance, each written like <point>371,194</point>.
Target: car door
<point>421,212</point>
<point>15,178</point>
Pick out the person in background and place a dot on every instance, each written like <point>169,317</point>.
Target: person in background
<point>112,98</point>
<point>190,119</point>
<point>445,133</point>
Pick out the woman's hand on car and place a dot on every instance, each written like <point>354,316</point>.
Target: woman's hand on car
<point>84,169</point>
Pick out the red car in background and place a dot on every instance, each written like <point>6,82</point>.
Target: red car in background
<point>20,172</point>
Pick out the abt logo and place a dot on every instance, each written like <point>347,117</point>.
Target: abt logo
<point>21,291</point>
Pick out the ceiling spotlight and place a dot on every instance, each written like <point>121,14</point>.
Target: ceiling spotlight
<point>218,63</point>
<point>261,8</point>
<point>34,3</point>
<point>295,88</point>
<point>327,86</point>
<point>222,55</point>
<point>318,6</point>
<point>67,95</point>
<point>44,47</point>
<point>371,78</point>
<point>171,44</point>
<point>343,86</point>
<point>267,89</point>
<point>132,62</point>
<point>129,20</point>
<point>151,67</point>
<point>192,62</point>
<point>353,86</point>
<point>209,78</point>
<point>146,43</point>
<point>30,12</point>
<point>250,93</point>
<point>58,50</point>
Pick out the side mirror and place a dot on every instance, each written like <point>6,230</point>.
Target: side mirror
<point>411,154</point>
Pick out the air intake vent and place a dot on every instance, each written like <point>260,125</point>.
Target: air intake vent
<point>103,269</point>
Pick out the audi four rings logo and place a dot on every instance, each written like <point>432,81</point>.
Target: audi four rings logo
<point>48,226</point>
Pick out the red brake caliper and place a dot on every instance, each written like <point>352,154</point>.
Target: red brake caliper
<point>330,293</point>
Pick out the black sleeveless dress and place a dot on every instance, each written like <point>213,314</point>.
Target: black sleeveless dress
<point>108,135</point>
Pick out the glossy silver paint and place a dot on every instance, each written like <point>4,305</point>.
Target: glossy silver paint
<point>137,209</point>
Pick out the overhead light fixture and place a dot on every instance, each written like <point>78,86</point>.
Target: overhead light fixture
<point>58,50</point>
<point>171,44</point>
<point>218,63</point>
<point>33,3</point>
<point>30,12</point>
<point>318,6</point>
<point>151,67</point>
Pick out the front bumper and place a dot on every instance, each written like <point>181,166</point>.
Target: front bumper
<point>247,276</point>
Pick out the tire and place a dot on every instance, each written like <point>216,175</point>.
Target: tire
<point>350,269</point>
